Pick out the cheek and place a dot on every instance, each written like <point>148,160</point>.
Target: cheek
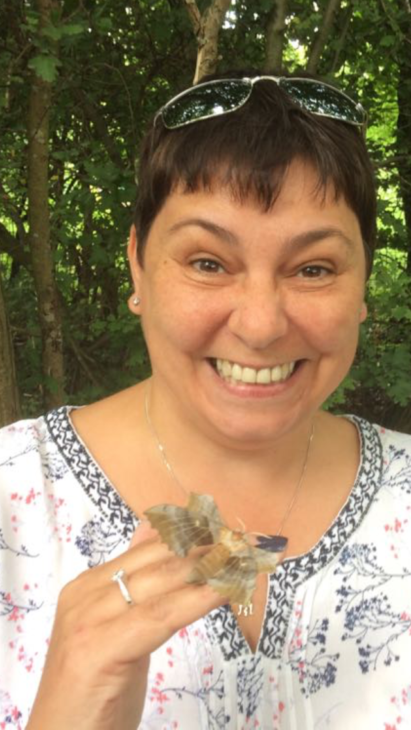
<point>330,328</point>
<point>180,319</point>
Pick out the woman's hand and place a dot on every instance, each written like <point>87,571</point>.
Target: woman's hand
<point>95,675</point>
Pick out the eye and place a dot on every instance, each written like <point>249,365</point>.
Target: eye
<point>314,271</point>
<point>207,266</point>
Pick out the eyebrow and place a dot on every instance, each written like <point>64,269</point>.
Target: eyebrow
<point>297,242</point>
<point>208,226</point>
<point>307,238</point>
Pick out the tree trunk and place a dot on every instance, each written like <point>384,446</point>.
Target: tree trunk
<point>322,35</point>
<point>9,393</point>
<point>403,142</point>
<point>39,229</point>
<point>207,28</point>
<point>340,42</point>
<point>274,39</point>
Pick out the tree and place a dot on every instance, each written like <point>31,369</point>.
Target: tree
<point>40,100</point>
<point>99,70</point>
<point>9,395</point>
<point>206,30</point>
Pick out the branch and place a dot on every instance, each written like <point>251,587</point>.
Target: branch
<point>194,14</point>
<point>207,28</point>
<point>274,38</point>
<point>322,35</point>
<point>341,41</point>
<point>391,162</point>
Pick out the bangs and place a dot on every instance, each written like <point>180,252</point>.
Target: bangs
<point>249,151</point>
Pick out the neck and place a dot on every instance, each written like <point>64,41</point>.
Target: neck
<point>198,459</point>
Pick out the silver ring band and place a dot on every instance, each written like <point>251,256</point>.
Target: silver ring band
<point>118,577</point>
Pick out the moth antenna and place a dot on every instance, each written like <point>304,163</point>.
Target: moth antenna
<point>260,534</point>
<point>242,524</point>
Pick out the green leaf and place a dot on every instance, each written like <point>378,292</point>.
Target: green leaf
<point>72,29</point>
<point>50,31</point>
<point>45,66</point>
<point>401,312</point>
<point>388,40</point>
<point>104,24</point>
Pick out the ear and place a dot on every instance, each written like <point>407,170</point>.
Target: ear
<point>363,312</point>
<point>135,271</point>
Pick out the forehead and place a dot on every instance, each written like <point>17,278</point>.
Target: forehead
<point>302,200</point>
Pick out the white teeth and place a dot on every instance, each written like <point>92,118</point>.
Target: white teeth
<point>264,376</point>
<point>249,375</point>
<point>236,372</point>
<point>277,374</point>
<point>233,372</point>
<point>285,370</point>
<point>226,368</point>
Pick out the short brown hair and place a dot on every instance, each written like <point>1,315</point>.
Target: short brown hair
<point>250,150</point>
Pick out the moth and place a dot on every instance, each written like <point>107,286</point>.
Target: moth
<point>232,564</point>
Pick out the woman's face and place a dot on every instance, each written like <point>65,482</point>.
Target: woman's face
<point>251,317</point>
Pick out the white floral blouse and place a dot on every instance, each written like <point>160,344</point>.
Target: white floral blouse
<point>335,647</point>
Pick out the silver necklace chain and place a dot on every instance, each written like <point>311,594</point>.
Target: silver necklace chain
<point>174,476</point>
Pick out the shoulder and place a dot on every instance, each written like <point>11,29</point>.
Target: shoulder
<point>20,444</point>
<point>388,440</point>
<point>391,458</point>
<point>32,469</point>
<point>395,446</point>
<point>394,440</point>
<point>29,447</point>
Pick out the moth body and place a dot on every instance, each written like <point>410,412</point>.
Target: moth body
<point>234,540</point>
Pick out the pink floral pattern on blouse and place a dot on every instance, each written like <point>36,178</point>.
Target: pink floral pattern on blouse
<point>335,647</point>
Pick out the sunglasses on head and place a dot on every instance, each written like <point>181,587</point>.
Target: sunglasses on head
<point>215,98</point>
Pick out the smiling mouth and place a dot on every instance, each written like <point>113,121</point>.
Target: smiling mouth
<point>235,373</point>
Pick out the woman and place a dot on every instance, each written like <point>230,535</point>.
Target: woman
<point>252,243</point>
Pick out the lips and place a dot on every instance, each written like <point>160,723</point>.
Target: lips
<point>233,372</point>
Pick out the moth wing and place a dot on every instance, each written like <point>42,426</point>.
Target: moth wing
<point>265,561</point>
<point>236,580</point>
<point>209,564</point>
<point>179,527</point>
<point>205,505</point>
<point>233,576</point>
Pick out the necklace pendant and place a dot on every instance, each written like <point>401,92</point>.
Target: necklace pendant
<point>246,610</point>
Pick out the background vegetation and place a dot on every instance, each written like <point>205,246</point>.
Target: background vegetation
<point>79,79</point>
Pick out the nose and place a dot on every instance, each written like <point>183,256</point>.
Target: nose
<point>258,316</point>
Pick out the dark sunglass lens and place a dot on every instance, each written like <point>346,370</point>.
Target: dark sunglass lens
<point>206,101</point>
<point>321,99</point>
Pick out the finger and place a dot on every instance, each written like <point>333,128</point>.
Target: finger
<point>153,580</point>
<point>150,550</point>
<point>162,577</point>
<point>143,532</point>
<point>143,628</point>
<point>147,552</point>
<point>89,593</point>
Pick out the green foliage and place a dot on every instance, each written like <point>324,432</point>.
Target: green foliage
<point>111,66</point>
<point>381,374</point>
<point>45,66</point>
